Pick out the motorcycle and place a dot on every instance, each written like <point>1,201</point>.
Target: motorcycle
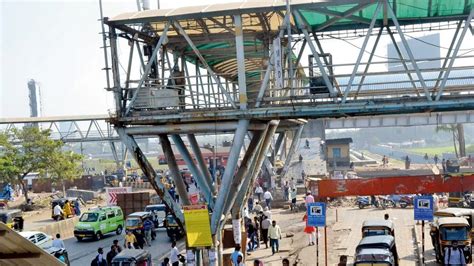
<point>363,202</point>
<point>405,201</point>
<point>386,202</point>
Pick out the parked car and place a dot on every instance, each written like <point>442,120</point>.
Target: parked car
<point>40,239</point>
<point>98,222</point>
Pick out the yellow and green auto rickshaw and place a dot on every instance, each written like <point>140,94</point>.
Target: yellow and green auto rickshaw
<point>12,218</point>
<point>445,230</point>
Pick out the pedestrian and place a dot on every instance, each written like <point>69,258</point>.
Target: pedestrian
<point>257,208</point>
<point>342,260</point>
<point>266,223</point>
<point>250,204</point>
<point>307,144</point>
<point>234,256</point>
<point>259,192</point>
<point>286,190</point>
<point>166,262</point>
<point>148,226</point>
<point>251,235</point>
<point>384,163</point>
<point>435,202</point>
<point>267,212</point>
<point>443,164</point>
<point>257,230</point>
<point>268,198</point>
<point>300,158</point>
<point>454,255</point>
<point>67,210</point>
<point>111,254</point>
<point>292,182</point>
<point>407,162</point>
<point>426,157</point>
<point>77,208</point>
<point>174,254</point>
<point>99,260</point>
<point>285,262</point>
<point>310,230</point>
<point>240,260</point>
<point>386,216</point>
<point>274,233</point>
<point>57,212</point>
<point>58,242</point>
<point>117,245</point>
<point>309,198</point>
<point>293,199</point>
<point>139,235</point>
<point>436,159</point>
<point>130,240</point>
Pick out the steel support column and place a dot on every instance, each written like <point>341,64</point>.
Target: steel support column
<point>239,47</point>
<point>278,143</point>
<point>455,53</point>
<point>243,171</point>
<point>183,150</point>
<point>328,83</point>
<point>228,173</point>
<point>293,146</point>
<point>361,53</point>
<point>148,67</point>
<point>256,167</point>
<point>148,170</point>
<point>202,164</point>
<point>115,70</point>
<point>408,50</point>
<point>174,169</point>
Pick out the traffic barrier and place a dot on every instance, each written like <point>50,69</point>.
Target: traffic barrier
<point>138,185</point>
<point>64,227</point>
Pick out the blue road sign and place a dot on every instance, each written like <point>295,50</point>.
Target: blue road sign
<point>316,214</point>
<point>424,208</point>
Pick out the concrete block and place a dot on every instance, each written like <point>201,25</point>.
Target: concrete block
<point>86,195</point>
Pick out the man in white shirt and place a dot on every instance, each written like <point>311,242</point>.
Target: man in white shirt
<point>309,198</point>
<point>268,198</point>
<point>57,212</point>
<point>58,242</point>
<point>274,233</point>
<point>174,258</point>
<point>259,191</point>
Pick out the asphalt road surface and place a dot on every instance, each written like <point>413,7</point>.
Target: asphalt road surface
<point>82,253</point>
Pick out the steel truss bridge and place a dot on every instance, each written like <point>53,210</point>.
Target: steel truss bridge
<point>260,67</point>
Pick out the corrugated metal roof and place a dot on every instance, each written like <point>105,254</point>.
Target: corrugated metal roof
<point>16,250</point>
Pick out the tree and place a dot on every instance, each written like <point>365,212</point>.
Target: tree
<point>28,150</point>
<point>65,166</point>
<point>457,132</point>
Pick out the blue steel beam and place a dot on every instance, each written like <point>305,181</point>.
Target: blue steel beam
<point>183,150</point>
<point>202,164</point>
<point>148,170</point>
<point>291,152</point>
<point>229,173</point>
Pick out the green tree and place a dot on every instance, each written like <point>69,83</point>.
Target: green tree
<point>28,150</point>
<point>457,132</point>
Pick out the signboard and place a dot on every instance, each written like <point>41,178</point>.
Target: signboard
<point>424,208</point>
<point>198,227</point>
<point>277,63</point>
<point>111,194</point>
<point>316,212</point>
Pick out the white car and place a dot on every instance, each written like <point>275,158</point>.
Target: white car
<point>40,239</point>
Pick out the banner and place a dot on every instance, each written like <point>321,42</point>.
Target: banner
<point>198,227</point>
<point>111,194</point>
<point>277,63</point>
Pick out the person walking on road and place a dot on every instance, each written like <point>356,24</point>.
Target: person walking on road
<point>268,198</point>
<point>58,242</point>
<point>148,227</point>
<point>67,210</point>
<point>257,208</point>
<point>266,223</point>
<point>310,230</point>
<point>443,164</point>
<point>293,200</point>
<point>454,255</point>
<point>274,232</point>
<point>130,240</point>
<point>117,246</point>
<point>174,254</point>
<point>57,212</point>
<point>436,159</point>
<point>99,260</point>
<point>309,198</point>
<point>139,235</point>
<point>259,192</point>
<point>235,255</point>
<point>111,254</point>
<point>257,231</point>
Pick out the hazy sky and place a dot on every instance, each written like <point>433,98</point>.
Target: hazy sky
<point>57,43</point>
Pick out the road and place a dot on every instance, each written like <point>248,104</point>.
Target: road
<point>82,253</point>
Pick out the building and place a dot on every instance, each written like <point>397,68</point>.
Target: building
<point>337,152</point>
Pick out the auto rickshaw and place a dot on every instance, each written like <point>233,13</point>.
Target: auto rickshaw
<point>136,257</point>
<point>456,199</point>
<point>173,230</point>
<point>374,257</point>
<point>448,229</point>
<point>135,222</point>
<point>59,253</point>
<point>468,214</point>
<point>12,218</point>
<point>377,227</point>
<point>386,242</point>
